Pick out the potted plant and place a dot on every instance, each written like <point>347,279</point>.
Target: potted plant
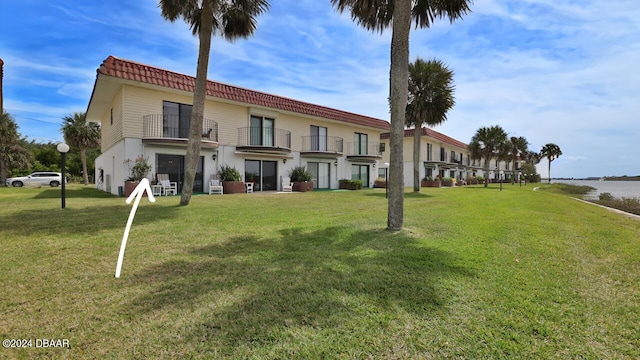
<point>231,180</point>
<point>447,181</point>
<point>138,170</point>
<point>428,181</point>
<point>301,179</point>
<point>380,183</point>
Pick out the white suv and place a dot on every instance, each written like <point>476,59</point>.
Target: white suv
<point>37,178</point>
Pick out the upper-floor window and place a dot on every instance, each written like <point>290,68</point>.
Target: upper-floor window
<point>443,154</point>
<point>429,152</point>
<point>361,143</point>
<point>453,156</point>
<point>318,138</point>
<point>262,130</point>
<point>176,118</point>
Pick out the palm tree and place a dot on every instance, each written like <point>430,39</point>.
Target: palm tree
<point>519,145</point>
<point>12,155</point>
<point>377,15</point>
<point>551,152</point>
<point>488,143</point>
<point>430,97</point>
<point>79,133</point>
<point>230,19</point>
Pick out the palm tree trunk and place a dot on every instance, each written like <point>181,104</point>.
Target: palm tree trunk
<point>416,158</point>
<point>199,96</point>
<point>3,170</point>
<point>399,81</point>
<point>486,172</point>
<point>549,172</point>
<point>83,159</point>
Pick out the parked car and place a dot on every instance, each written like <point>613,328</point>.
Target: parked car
<point>40,178</point>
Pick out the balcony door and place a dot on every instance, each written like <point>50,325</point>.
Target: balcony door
<point>173,165</point>
<point>360,144</point>
<point>176,119</point>
<point>261,131</point>
<point>318,138</point>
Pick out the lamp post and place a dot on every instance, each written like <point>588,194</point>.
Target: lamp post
<point>386,180</point>
<point>63,149</point>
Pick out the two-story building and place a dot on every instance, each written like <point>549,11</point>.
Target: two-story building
<point>145,111</point>
<point>439,155</point>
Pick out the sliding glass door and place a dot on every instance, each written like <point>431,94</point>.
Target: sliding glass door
<point>263,173</point>
<point>173,165</point>
<point>320,174</point>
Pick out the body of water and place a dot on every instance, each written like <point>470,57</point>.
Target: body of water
<point>618,189</point>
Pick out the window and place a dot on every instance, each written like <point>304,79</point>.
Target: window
<point>318,138</point>
<point>261,130</point>
<point>453,156</point>
<point>443,154</point>
<point>360,144</point>
<point>429,152</point>
<point>428,172</point>
<point>176,119</point>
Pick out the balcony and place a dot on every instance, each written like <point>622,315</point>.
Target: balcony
<point>363,151</point>
<point>264,140</point>
<point>443,161</point>
<point>330,146</point>
<point>173,129</point>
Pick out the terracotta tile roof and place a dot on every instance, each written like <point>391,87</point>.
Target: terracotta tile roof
<point>434,134</point>
<point>130,70</point>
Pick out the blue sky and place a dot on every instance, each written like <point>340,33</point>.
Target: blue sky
<point>559,71</point>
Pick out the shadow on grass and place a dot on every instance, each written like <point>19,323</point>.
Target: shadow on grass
<point>251,288</point>
<point>85,192</point>
<point>84,220</point>
<point>407,195</point>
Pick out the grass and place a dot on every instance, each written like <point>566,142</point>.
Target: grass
<point>477,273</point>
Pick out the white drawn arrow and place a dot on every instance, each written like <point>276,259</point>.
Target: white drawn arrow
<point>137,193</point>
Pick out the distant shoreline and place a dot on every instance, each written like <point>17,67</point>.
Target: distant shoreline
<point>605,178</point>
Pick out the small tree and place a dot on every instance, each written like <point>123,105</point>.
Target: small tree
<point>551,152</point>
<point>430,98</point>
<point>486,144</point>
<point>83,135</point>
<point>12,155</point>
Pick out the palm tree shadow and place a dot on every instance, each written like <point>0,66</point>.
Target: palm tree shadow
<point>305,278</point>
<point>81,220</point>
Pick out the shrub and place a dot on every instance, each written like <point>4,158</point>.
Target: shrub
<point>229,173</point>
<point>605,197</point>
<point>480,178</point>
<point>299,174</point>
<point>350,184</point>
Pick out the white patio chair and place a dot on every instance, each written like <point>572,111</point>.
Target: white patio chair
<point>168,187</point>
<point>215,187</point>
<point>287,185</point>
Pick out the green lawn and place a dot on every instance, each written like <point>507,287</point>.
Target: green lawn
<point>477,273</point>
